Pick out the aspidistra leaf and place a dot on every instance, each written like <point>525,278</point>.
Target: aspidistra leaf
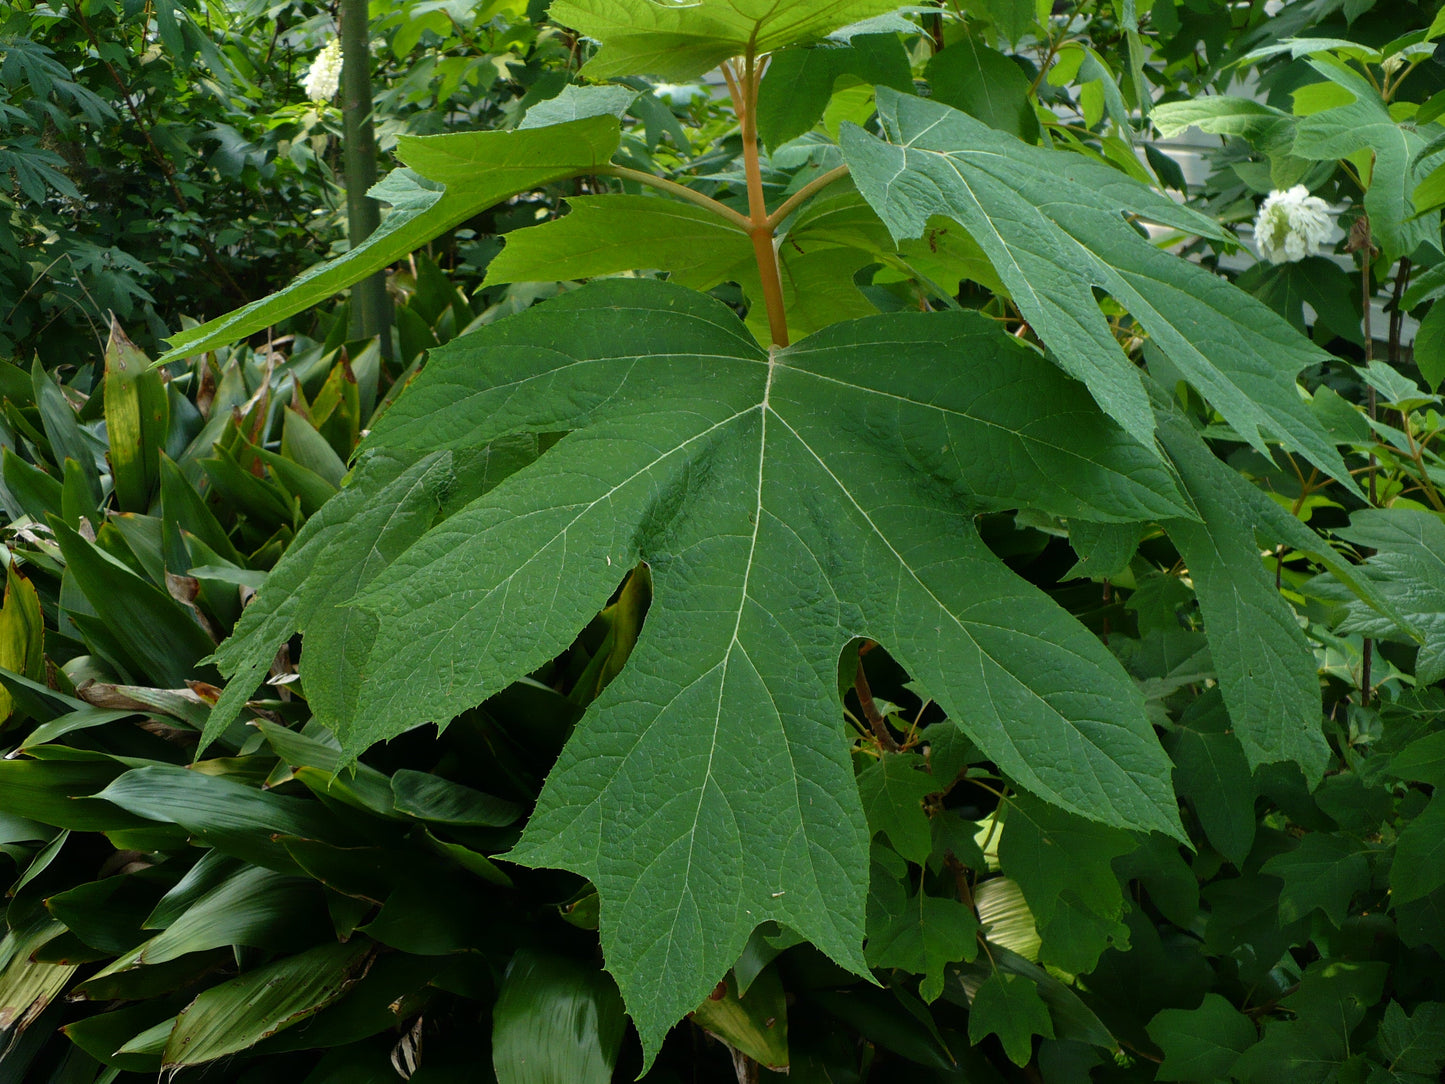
<point>137,414</point>
<point>22,633</point>
<point>787,504</point>
<point>235,1014</point>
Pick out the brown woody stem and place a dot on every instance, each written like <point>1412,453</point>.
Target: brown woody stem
<point>876,722</point>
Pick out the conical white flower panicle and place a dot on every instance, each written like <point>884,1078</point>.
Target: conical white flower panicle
<point>324,79</point>
<point>1291,225</point>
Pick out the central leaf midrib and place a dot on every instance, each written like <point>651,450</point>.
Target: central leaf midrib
<point>764,410</point>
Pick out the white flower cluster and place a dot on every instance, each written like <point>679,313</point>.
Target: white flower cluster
<point>678,95</point>
<point>1291,225</point>
<point>324,78</point>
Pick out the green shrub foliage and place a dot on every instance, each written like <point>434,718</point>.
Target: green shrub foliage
<point>861,581</point>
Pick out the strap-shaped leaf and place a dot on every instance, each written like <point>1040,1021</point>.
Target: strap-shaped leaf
<point>367,520</point>
<point>787,504</point>
<point>451,178</point>
<point>1054,226</point>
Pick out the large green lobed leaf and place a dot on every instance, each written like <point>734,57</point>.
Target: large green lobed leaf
<point>1054,226</point>
<point>1266,666</point>
<point>787,504</point>
<point>1408,568</point>
<point>682,41</point>
<point>826,243</point>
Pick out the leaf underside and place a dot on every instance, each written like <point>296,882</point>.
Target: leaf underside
<point>788,504</point>
<point>682,41</point>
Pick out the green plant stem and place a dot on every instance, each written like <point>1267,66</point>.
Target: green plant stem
<point>1365,68</point>
<point>370,308</point>
<point>789,205</point>
<point>744,89</point>
<point>1417,455</point>
<point>1367,650</point>
<point>1055,44</point>
<point>681,191</point>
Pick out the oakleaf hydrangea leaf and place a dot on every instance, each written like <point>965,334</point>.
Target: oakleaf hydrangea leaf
<point>1332,998</point>
<point>893,789</point>
<point>683,40</point>
<point>383,516</point>
<point>1324,871</point>
<point>826,243</point>
<point>1211,771</point>
<point>1419,865</point>
<point>1063,864</point>
<point>1266,666</point>
<point>799,82</point>
<point>1053,225</point>
<point>341,549</point>
<point>577,103</point>
<point>1414,1044</point>
<point>923,934</point>
<point>1010,1007</point>
<point>788,504</point>
<point>1366,124</point>
<point>1408,568</point>
<point>1422,761</point>
<point>1202,1043</point>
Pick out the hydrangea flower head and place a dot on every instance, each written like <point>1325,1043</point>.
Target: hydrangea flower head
<point>1291,225</point>
<point>678,95</point>
<point>324,78</point>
